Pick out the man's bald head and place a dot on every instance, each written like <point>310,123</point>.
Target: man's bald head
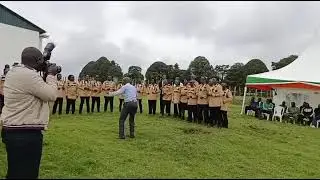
<point>126,80</point>
<point>32,57</point>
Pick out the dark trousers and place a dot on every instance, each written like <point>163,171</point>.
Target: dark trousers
<point>224,117</point>
<point>58,102</point>
<point>161,102</point>
<point>215,116</point>
<point>129,108</point>
<point>140,105</point>
<point>1,103</point>
<point>71,103</point>
<point>166,106</point>
<point>176,110</point>
<point>183,108</point>
<point>192,113</point>
<point>95,100</point>
<point>87,99</point>
<point>203,113</point>
<point>120,104</point>
<point>152,104</point>
<point>24,149</point>
<point>106,102</point>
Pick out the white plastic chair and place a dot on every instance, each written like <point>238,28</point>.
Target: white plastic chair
<point>266,115</point>
<point>250,113</point>
<point>318,122</point>
<point>278,112</point>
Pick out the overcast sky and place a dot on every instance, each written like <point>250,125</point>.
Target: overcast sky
<point>139,33</point>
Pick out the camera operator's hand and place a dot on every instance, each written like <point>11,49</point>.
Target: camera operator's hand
<point>53,69</point>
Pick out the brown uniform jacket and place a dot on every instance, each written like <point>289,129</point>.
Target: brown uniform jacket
<point>202,92</point>
<point>109,86</point>
<point>226,100</point>
<point>120,96</point>
<point>215,96</point>
<point>152,92</point>
<point>1,86</point>
<point>140,90</point>
<point>176,94</point>
<point>95,89</point>
<point>84,89</point>
<point>71,88</point>
<point>61,89</point>
<point>184,94</point>
<point>167,91</point>
<point>192,96</point>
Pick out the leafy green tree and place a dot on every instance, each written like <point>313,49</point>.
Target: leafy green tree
<point>283,62</point>
<point>134,72</point>
<point>255,66</point>
<point>236,75</point>
<point>103,68</point>
<point>200,66</point>
<point>221,71</point>
<point>156,71</point>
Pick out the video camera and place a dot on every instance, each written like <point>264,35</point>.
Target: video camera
<point>46,57</point>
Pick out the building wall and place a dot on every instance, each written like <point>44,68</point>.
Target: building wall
<point>12,41</point>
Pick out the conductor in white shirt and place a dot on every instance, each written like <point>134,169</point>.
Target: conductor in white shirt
<point>129,108</point>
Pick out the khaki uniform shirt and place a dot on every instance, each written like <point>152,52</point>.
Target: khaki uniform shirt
<point>1,86</point>
<point>84,89</point>
<point>184,94</point>
<point>215,96</point>
<point>176,95</point>
<point>167,92</point>
<point>152,92</point>
<point>61,89</point>
<point>109,86</point>
<point>71,90</point>
<point>120,96</point>
<point>27,96</point>
<point>95,89</point>
<point>226,100</point>
<point>140,91</point>
<point>202,92</point>
<point>192,96</point>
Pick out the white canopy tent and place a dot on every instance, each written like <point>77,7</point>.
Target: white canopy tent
<point>298,81</point>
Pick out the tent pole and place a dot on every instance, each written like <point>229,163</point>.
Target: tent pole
<point>244,99</point>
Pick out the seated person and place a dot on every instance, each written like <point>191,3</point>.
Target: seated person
<point>292,112</point>
<point>268,107</point>
<point>259,108</point>
<point>252,105</point>
<point>316,115</point>
<point>306,112</point>
<point>283,104</point>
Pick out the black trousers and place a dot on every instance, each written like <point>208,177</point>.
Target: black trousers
<point>192,113</point>
<point>24,150</point>
<point>129,108</point>
<point>95,100</point>
<point>71,103</point>
<point>152,104</point>
<point>87,99</point>
<point>203,113</point>
<point>120,104</point>
<point>1,103</point>
<point>161,102</point>
<point>58,102</point>
<point>166,106</point>
<point>224,117</point>
<point>215,116</point>
<point>183,108</point>
<point>140,105</point>
<point>176,110</point>
<point>106,102</point>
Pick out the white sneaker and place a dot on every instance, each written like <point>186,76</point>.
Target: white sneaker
<point>313,126</point>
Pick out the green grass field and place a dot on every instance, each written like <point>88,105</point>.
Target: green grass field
<point>86,146</point>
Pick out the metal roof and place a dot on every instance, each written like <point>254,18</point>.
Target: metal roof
<point>9,17</point>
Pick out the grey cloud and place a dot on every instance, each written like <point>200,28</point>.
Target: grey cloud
<point>178,18</point>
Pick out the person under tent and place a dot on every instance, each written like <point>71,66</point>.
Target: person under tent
<point>292,113</point>
<point>283,104</point>
<point>306,114</point>
<point>316,116</point>
<point>252,106</point>
<point>267,107</point>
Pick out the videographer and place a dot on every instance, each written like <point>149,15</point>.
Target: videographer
<point>26,113</point>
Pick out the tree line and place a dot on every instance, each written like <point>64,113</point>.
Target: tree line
<point>235,75</point>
